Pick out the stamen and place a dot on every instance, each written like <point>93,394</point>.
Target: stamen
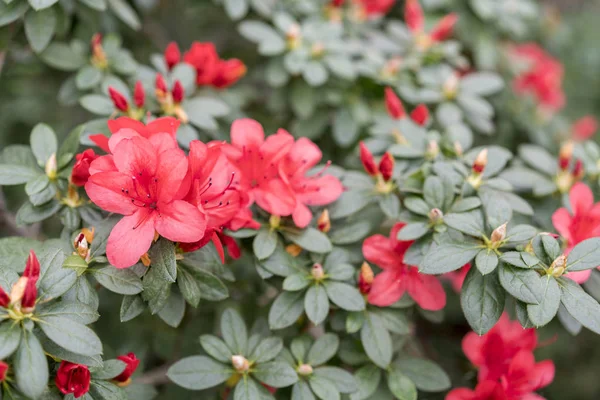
<point>327,165</point>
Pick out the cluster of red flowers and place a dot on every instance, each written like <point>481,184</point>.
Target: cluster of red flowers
<point>542,77</point>
<point>191,198</point>
<point>75,378</point>
<point>210,68</point>
<point>507,367</point>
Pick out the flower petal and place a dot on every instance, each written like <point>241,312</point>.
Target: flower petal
<point>426,290</point>
<point>101,141</point>
<point>301,215</point>
<point>388,287</point>
<point>561,219</point>
<point>131,238</point>
<point>581,198</point>
<point>275,197</point>
<point>170,173</point>
<point>167,125</point>
<point>135,156</point>
<point>180,221</point>
<point>378,250</point>
<point>247,133</point>
<point>105,190</point>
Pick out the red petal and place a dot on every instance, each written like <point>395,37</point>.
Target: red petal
<point>131,238</point>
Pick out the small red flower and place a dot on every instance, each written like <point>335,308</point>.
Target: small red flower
<point>131,364</point>
<point>486,390</point>
<point>420,114</point>
<point>119,101</point>
<point>228,73</point>
<point>3,370</point>
<point>397,277</point>
<point>584,128</point>
<point>204,58</point>
<point>81,169</point>
<point>172,55</point>
<point>139,95</point>
<point>73,378</point>
<point>366,158</point>
<point>393,104</point>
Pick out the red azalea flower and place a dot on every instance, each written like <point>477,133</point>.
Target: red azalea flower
<point>525,376</point>
<point>145,183</point>
<point>486,390</point>
<point>73,378</point>
<point>397,277</point>
<point>582,224</point>
<point>542,78</point>
<point>584,128</point>
<point>228,73</point>
<point>204,58</point>
<point>81,169</point>
<point>256,160</point>
<point>159,125</point>
<point>316,190</point>
<point>493,352</point>
<point>131,364</point>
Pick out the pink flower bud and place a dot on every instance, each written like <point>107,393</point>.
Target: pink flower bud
<point>240,363</point>
<point>394,106</point>
<point>480,162</point>
<point>160,84</point>
<point>3,370</point>
<point>420,114</point>
<point>317,272</point>
<point>365,278</point>
<point>584,128</point>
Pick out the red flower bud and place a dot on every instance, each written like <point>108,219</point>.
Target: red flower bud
<point>386,166</point>
<point>32,267</point>
<point>118,99</point>
<point>228,72</point>
<point>139,95</point>
<point>444,28</point>
<point>29,296</point>
<point>203,57</point>
<point>420,114</point>
<point>178,92</point>
<point>578,170</point>
<point>160,84</point>
<point>73,378</point>
<point>365,278</point>
<point>413,15</point>
<point>4,298</point>
<point>172,55</point>
<point>81,169</point>
<point>337,3</point>
<point>132,363</point>
<point>394,106</point>
<point>584,128</point>
<point>3,370</point>
<point>96,40</point>
<point>366,157</point>
<point>564,155</point>
<point>480,162</point>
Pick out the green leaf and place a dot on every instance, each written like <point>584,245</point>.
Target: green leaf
<point>99,5</point>
<point>466,204</point>
<point>323,388</point>
<point>300,346</point>
<point>102,390</point>
<point>39,28</point>
<point>41,4</point>
<point>316,304</point>
<point>586,255</point>
<point>315,74</point>
<point>433,192</point>
<point>269,40</point>
<point>470,222</point>
<point>301,391</point>
<point>342,379</point>
<point>417,205</point>
<point>30,214</point>
<point>401,386</point>
<point>482,300</point>
<point>286,309</point>
<point>163,259</point>
<point>542,313</point>
<point>448,257</point>
<point>276,374</point>
<point>64,57</point>
<point>16,174</point>
<point>31,366</point>
<point>71,335</point>
<point>296,282</point>
<point>267,349</point>
<point>367,378</point>
<point>10,338</point>
<point>125,13</point>
<point>310,239</point>
<point>390,205</point>
<point>482,83</point>
<point>497,210</point>
<point>174,309</point>
<point>514,258</point>
<point>348,203</point>
<point>156,290</point>
<point>524,284</point>
<point>486,261</point>
<point>426,375</point>
<point>552,247</point>
<point>78,312</point>
<point>264,243</point>
<point>345,128</point>
<point>233,329</point>
<point>413,231</point>
<point>198,372</point>
<point>88,77</point>
<point>110,369</point>
<point>54,279</point>
<point>345,296</point>
<point>583,307</point>
<point>339,271</point>
<point>211,287</point>
<point>82,292</point>
<point>188,287</point>
<point>216,348</point>
<point>131,307</point>
<point>520,233</point>
<point>394,320</point>
<point>246,389</point>
<point>521,313</point>
<point>323,349</point>
<point>236,9</point>
<point>43,143</point>
<point>11,12</point>
<point>122,281</point>
<point>376,340</point>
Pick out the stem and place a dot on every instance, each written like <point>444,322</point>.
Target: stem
<point>156,376</point>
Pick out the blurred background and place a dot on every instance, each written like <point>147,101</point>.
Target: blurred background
<point>28,95</point>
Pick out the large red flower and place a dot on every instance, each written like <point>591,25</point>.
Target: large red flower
<point>144,179</point>
<point>73,378</point>
<point>486,390</point>
<point>397,277</point>
<point>316,190</point>
<point>583,223</point>
<point>256,161</point>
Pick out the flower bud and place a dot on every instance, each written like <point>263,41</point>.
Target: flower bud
<point>499,234</point>
<point>18,289</point>
<point>420,114</point>
<point>293,36</point>
<point>564,155</point>
<point>228,73</point>
<point>436,215</point>
<point>240,363</point>
<point>73,378</point>
<point>433,150</point>
<point>178,92</point>
<point>458,149</point>
<point>160,86</point>
<point>391,67</point>
<point>29,296</point>
<point>324,223</point>
<point>450,87</point>
<point>32,266</point>
<point>4,298</point>
<point>578,170</point>
<point>317,272</point>
<point>558,266</point>
<point>51,167</point>
<point>172,55</point>
<point>394,106</point>
<point>274,221</point>
<point>293,249</point>
<point>386,166</point>
<point>444,28</point>
<point>119,101</point>
<point>366,157</point>
<point>99,59</point>
<point>480,162</point>
<point>365,278</point>
<point>131,364</point>
<point>304,370</point>
<point>82,247</point>
<point>584,128</point>
<point>413,15</point>
<point>139,95</point>
<point>317,49</point>
<point>3,371</point>
<point>145,259</point>
<point>81,170</point>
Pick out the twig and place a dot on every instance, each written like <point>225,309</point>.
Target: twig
<point>157,376</point>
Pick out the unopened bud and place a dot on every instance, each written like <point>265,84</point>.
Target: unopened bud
<point>450,87</point>
<point>365,278</point>
<point>139,95</point>
<point>293,249</point>
<point>3,371</point>
<point>305,370</point>
<point>178,92</point>
<point>240,363</point>
<point>558,266</point>
<point>391,67</point>
<point>51,167</point>
<point>564,155</point>
<point>172,55</point>
<point>99,59</point>
<point>366,158</point>
<point>18,289</point>
<point>499,234</point>
<point>394,106</point>
<point>317,272</point>
<point>82,247</point>
<point>480,162</point>
<point>458,149</point>
<point>119,101</point>
<point>160,86</point>
<point>274,221</point>
<point>436,215</point>
<point>317,49</point>
<point>4,298</point>
<point>433,150</point>
<point>386,166</point>
<point>420,114</point>
<point>29,296</point>
<point>323,222</point>
<point>444,28</point>
<point>578,170</point>
<point>293,36</point>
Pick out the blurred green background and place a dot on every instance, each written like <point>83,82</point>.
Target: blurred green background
<point>28,91</point>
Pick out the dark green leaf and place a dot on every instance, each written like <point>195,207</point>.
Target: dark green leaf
<point>162,254</point>
<point>125,13</point>
<point>39,28</point>
<point>310,239</point>
<point>542,313</point>
<point>198,372</point>
<point>345,296</point>
<point>78,312</point>
<point>367,378</point>
<point>276,374</point>
<point>267,350</point>
<point>426,375</point>
<point>413,231</point>
<point>16,174</point>
<point>31,367</point>
<point>122,281</point>
<point>71,335</point>
<point>583,307</point>
<point>234,332</point>
<point>216,348</point>
<point>323,349</point>
<point>110,369</point>
<point>342,379</point>
<point>448,257</point>
<point>10,338</point>
<point>401,386</point>
<point>286,309</point>
<point>131,307</point>
<point>102,390</point>
<point>316,304</point>
<point>470,222</point>
<point>486,261</point>
<point>174,309</point>
<point>323,388</point>
<point>482,300</point>
<point>296,282</point>
<point>376,340</point>
<point>586,255</point>
<point>524,284</point>
<point>264,243</point>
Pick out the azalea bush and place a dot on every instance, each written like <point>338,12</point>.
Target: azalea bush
<point>315,203</point>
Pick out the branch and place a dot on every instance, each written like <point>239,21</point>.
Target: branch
<point>157,376</point>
